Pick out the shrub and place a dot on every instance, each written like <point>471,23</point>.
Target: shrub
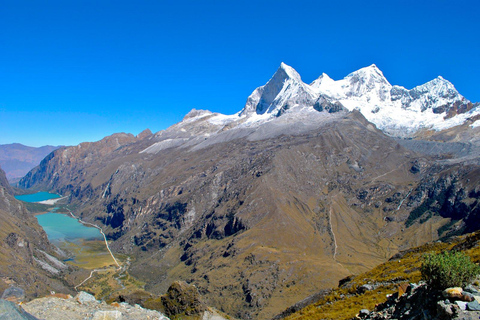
<point>448,269</point>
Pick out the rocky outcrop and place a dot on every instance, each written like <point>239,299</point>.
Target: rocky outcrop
<point>418,301</point>
<point>182,299</point>
<point>85,306</point>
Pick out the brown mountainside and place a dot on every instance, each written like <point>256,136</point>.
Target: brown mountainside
<point>260,218</point>
<point>27,259</point>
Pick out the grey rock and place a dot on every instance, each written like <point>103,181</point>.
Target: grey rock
<point>444,310</point>
<point>83,298</point>
<point>462,305</point>
<point>14,294</point>
<point>471,289</point>
<point>364,313</point>
<point>364,288</point>
<point>468,296</point>
<point>11,311</point>
<point>107,315</point>
<point>473,306</point>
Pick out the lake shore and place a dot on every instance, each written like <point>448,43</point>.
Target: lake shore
<point>51,201</point>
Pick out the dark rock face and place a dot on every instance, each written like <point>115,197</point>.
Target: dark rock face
<point>325,104</point>
<point>183,299</point>
<point>450,195</point>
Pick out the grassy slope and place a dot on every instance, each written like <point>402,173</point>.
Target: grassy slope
<point>345,302</point>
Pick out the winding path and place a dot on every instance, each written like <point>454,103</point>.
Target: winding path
<point>333,235</point>
<point>382,175</point>
<point>401,202</point>
<point>101,231</point>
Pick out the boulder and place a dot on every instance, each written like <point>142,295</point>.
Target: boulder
<point>473,306</point>
<point>364,313</point>
<point>14,294</point>
<point>183,299</point>
<point>11,311</point>
<point>471,289</point>
<point>364,288</point>
<point>107,315</point>
<point>445,310</point>
<point>457,293</point>
<point>461,304</point>
<point>452,293</point>
<point>83,298</point>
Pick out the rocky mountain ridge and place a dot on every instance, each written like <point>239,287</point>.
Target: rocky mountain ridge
<point>435,105</point>
<point>265,207</point>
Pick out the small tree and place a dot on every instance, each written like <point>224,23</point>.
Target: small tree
<point>448,269</point>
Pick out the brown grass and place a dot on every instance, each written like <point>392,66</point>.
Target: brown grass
<point>344,303</point>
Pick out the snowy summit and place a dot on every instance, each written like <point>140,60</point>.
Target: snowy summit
<point>285,98</point>
<point>434,105</point>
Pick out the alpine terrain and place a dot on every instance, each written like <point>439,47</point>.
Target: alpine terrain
<point>27,258</point>
<point>305,185</point>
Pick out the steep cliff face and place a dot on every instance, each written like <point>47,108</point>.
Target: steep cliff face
<point>27,259</point>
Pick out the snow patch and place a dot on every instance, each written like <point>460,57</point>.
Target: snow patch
<point>164,144</point>
<point>475,124</point>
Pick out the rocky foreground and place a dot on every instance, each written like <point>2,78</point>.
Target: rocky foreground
<point>417,301</point>
<point>84,306</point>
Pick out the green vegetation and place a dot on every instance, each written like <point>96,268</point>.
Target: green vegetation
<point>34,207</point>
<point>346,301</point>
<point>448,269</point>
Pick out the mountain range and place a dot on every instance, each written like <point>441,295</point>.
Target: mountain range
<point>305,185</point>
<point>17,159</point>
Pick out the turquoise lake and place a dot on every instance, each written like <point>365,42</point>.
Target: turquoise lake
<point>85,245</point>
<point>60,227</point>
<point>36,197</point>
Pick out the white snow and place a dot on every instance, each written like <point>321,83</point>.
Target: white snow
<point>475,124</point>
<point>285,99</point>
<point>368,91</point>
<point>164,144</point>
<point>52,201</point>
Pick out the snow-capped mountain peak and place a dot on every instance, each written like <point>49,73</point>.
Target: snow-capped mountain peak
<point>283,91</point>
<point>438,86</point>
<point>289,71</point>
<point>371,70</point>
<point>324,81</point>
<point>394,109</point>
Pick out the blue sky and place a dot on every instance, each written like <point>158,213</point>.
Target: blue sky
<point>74,71</point>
